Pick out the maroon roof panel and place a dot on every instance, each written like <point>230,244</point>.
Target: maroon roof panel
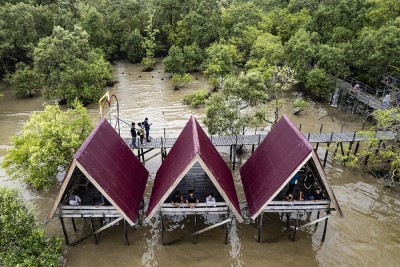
<point>272,164</point>
<point>218,167</point>
<point>192,142</point>
<point>112,164</point>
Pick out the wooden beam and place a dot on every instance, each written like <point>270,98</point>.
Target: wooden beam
<point>108,225</point>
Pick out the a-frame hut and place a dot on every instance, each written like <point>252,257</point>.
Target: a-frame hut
<point>181,170</point>
<point>108,178</point>
<point>265,176</point>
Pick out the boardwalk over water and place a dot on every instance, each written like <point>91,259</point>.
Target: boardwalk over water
<point>257,139</point>
<point>363,94</point>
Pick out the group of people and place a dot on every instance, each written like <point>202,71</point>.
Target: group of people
<point>309,190</point>
<point>191,200</point>
<point>144,128</point>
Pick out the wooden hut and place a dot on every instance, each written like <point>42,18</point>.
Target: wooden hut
<point>265,176</point>
<point>108,178</point>
<point>194,163</point>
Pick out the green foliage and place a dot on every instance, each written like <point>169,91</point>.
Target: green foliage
<point>249,88</point>
<point>26,81</point>
<point>378,49</point>
<point>70,69</point>
<point>93,23</point>
<point>300,105</point>
<point>22,240</point>
<point>318,82</point>
<point>133,46</point>
<point>180,80</point>
<point>149,45</point>
<point>197,98</point>
<point>193,57</point>
<point>381,159</point>
<point>21,27</point>
<point>220,59</point>
<point>222,115</point>
<point>46,144</point>
<point>175,61</point>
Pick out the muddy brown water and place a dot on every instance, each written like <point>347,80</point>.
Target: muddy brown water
<point>369,235</point>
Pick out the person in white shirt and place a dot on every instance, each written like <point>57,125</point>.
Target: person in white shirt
<point>74,200</point>
<point>210,200</point>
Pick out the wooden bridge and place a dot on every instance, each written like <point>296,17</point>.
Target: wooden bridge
<point>257,139</point>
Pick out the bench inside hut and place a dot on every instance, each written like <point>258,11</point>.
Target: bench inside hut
<point>198,181</point>
<point>91,204</point>
<point>280,204</point>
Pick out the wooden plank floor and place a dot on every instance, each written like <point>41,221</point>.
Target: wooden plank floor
<point>257,139</point>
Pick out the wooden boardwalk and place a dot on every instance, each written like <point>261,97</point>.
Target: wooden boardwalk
<point>361,95</point>
<point>257,139</point>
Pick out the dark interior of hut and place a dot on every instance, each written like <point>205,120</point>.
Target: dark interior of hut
<point>79,185</point>
<point>306,183</point>
<point>197,180</point>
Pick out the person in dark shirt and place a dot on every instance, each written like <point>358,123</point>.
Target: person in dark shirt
<point>133,135</point>
<point>308,191</point>
<point>147,125</point>
<point>318,195</point>
<point>177,199</point>
<point>192,200</point>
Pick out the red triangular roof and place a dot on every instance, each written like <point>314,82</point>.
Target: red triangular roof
<point>281,154</point>
<point>191,146</point>
<point>110,165</point>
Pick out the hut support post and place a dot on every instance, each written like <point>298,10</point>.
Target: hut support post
<point>162,228</point>
<point>316,225</point>
<point>326,226</point>
<point>226,229</point>
<point>64,230</point>
<point>73,223</point>
<point>234,153</point>
<point>93,230</point>
<point>252,149</point>
<point>357,146</point>
<point>195,227</point>
<point>126,233</point>
<point>295,228</point>
<point>260,227</point>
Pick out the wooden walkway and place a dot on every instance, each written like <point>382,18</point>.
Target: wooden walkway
<point>257,139</point>
<point>361,95</point>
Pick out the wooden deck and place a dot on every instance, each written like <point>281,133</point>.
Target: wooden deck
<point>361,95</point>
<point>82,211</point>
<point>201,208</point>
<point>257,139</point>
<point>308,206</point>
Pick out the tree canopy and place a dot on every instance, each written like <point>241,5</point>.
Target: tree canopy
<point>22,241</point>
<point>47,142</point>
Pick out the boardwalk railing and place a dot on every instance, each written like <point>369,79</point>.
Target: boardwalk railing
<point>257,139</point>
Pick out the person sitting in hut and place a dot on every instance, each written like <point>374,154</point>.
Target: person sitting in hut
<point>289,197</point>
<point>102,201</point>
<point>210,200</point>
<point>177,199</point>
<point>192,200</point>
<point>318,195</point>
<point>74,200</point>
<point>308,191</point>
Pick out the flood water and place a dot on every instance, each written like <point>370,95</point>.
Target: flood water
<point>368,235</point>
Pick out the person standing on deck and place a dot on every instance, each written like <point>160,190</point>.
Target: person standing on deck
<point>134,135</point>
<point>147,128</point>
<point>140,132</point>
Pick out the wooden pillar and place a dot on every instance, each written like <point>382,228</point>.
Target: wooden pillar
<point>162,228</point>
<point>142,154</point>
<point>73,223</point>
<point>300,128</point>
<point>126,233</point>
<point>295,227</point>
<point>252,149</point>
<point>260,227</point>
<point>357,146</point>
<point>316,225</point>
<point>327,150</point>
<point>64,230</point>
<point>226,229</point>
<point>341,148</point>
<point>336,149</point>
<point>195,228</point>
<point>234,154</point>
<point>230,153</point>
<point>93,230</point>
<point>325,227</point>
